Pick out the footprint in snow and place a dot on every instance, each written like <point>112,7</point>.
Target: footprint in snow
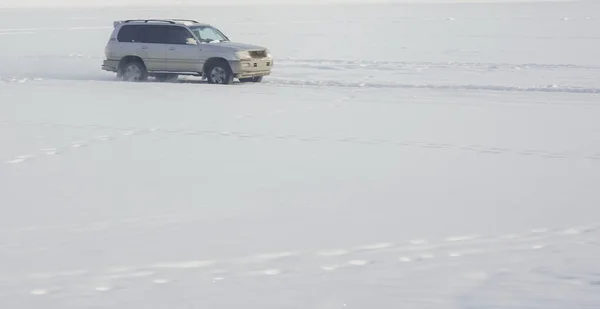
<point>42,292</point>
<point>39,292</point>
<point>20,159</point>
<point>378,246</point>
<point>333,253</point>
<point>49,151</point>
<point>594,156</point>
<point>425,256</point>
<point>330,267</point>
<point>266,272</point>
<point>184,265</point>
<point>461,238</point>
<point>274,256</point>
<point>359,262</point>
<point>104,137</point>
<point>541,230</point>
<point>572,232</point>
<point>272,272</point>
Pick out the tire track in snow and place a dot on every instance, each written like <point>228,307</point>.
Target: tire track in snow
<point>53,151</point>
<point>446,252</point>
<point>94,140</point>
<point>381,65</point>
<point>375,142</point>
<point>395,65</point>
<point>391,85</point>
<point>386,65</point>
<point>19,80</point>
<point>479,149</point>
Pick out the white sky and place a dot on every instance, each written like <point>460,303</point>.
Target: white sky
<point>146,3</point>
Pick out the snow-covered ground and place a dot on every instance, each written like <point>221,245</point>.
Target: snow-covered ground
<point>400,156</point>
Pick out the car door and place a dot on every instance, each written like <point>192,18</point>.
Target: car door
<point>133,42</point>
<point>153,49</point>
<point>183,52</point>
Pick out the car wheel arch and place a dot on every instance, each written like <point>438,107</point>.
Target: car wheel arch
<point>211,61</point>
<point>127,59</point>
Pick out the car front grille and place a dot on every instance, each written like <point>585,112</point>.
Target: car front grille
<point>257,54</point>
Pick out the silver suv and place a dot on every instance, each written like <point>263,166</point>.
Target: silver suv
<point>165,49</point>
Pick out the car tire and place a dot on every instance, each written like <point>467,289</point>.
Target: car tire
<point>219,73</point>
<point>166,77</point>
<point>256,79</point>
<point>134,71</point>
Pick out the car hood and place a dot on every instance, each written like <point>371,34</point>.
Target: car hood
<point>236,46</point>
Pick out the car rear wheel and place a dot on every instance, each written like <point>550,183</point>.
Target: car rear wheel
<point>134,71</point>
<point>256,79</point>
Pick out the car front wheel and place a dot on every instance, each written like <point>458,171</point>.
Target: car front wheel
<point>219,73</point>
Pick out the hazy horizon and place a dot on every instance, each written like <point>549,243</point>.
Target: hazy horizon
<point>112,3</point>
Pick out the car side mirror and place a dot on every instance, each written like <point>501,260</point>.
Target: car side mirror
<point>191,41</point>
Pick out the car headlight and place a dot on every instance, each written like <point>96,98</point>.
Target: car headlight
<point>243,55</point>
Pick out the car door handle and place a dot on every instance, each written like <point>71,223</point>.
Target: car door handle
<point>172,48</point>
<point>144,47</point>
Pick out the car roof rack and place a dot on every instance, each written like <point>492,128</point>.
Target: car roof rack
<point>149,20</point>
<point>190,20</point>
<point>170,21</point>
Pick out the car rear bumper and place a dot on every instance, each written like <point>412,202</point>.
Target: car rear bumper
<point>251,68</point>
<point>110,65</point>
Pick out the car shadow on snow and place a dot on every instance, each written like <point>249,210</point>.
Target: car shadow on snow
<point>189,80</point>
<point>21,78</point>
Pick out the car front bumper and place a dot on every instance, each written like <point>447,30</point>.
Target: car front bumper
<point>251,68</point>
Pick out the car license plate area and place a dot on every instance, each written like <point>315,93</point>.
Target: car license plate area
<point>262,64</point>
<point>257,64</point>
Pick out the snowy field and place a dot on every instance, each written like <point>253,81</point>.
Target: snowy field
<point>400,156</point>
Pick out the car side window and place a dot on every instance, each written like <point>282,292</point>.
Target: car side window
<point>178,35</point>
<point>128,34</point>
<point>154,34</point>
<point>142,34</point>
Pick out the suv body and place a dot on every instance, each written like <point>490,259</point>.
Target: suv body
<point>165,49</point>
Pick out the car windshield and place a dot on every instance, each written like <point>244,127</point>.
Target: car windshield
<point>208,34</point>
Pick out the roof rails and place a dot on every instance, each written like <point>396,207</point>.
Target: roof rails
<point>170,21</point>
<point>190,20</point>
<point>147,20</point>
